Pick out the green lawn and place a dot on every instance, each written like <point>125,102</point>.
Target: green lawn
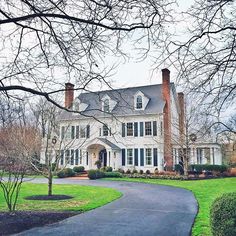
<point>85,197</point>
<point>205,192</point>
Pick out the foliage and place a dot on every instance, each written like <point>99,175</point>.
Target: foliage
<point>148,172</point>
<point>78,169</point>
<point>201,168</point>
<point>95,174</point>
<point>141,172</point>
<point>84,198</point>
<point>223,215</point>
<point>128,171</point>
<point>67,172</point>
<point>98,163</point>
<point>109,169</point>
<point>205,192</point>
<point>134,171</point>
<point>121,171</point>
<point>114,174</point>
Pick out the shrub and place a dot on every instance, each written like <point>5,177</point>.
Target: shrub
<point>112,175</point>
<point>98,163</point>
<point>121,171</point>
<point>108,169</point>
<point>223,215</point>
<point>95,174</point>
<point>78,169</point>
<point>67,172</point>
<point>216,168</point>
<point>61,174</point>
<point>134,171</point>
<point>141,172</point>
<point>148,172</point>
<point>128,171</point>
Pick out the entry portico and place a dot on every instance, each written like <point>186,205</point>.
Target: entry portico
<point>103,150</point>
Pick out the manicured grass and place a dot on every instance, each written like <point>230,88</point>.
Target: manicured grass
<point>205,192</point>
<point>85,198</point>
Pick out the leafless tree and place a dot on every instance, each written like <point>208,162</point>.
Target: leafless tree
<point>45,42</point>
<point>18,144</point>
<point>205,56</point>
<point>46,117</point>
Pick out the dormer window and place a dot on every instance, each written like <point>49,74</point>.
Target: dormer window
<point>139,102</point>
<point>106,107</point>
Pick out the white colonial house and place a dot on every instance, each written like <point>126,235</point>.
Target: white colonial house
<point>128,128</point>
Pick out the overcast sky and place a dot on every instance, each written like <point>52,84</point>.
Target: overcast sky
<point>134,73</point>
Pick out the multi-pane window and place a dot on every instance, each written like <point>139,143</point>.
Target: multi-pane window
<point>106,107</point>
<point>139,102</point>
<point>105,130</point>
<point>130,157</point>
<point>62,132</point>
<point>77,157</point>
<point>148,128</point>
<point>77,132</point>
<point>130,129</point>
<point>161,128</point>
<point>62,157</point>
<point>148,156</point>
<point>82,131</point>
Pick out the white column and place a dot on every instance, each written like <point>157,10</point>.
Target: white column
<point>211,156</point>
<point>160,159</point>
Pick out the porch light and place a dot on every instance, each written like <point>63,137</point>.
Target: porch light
<point>54,140</point>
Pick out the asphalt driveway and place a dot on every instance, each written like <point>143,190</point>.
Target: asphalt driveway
<point>144,209</point>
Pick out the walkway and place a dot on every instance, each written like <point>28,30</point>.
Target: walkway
<point>144,210</point>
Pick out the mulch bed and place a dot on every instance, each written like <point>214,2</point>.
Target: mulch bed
<point>46,197</point>
<point>23,220</point>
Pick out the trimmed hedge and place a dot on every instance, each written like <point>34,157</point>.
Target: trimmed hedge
<point>95,174</point>
<point>223,215</point>
<point>112,175</point>
<point>78,169</point>
<point>217,168</point>
<point>67,172</point>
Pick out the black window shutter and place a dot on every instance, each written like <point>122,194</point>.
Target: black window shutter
<point>62,132</point>
<point>72,132</point>
<point>77,132</point>
<point>141,157</point>
<point>123,157</point>
<point>86,158</point>
<point>135,129</point>
<point>155,156</point>
<point>123,129</point>
<point>62,157</point>
<point>141,128</point>
<point>154,128</point>
<point>88,131</point>
<point>136,156</point>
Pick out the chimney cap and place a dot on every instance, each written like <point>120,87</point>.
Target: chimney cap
<point>165,70</point>
<point>68,84</point>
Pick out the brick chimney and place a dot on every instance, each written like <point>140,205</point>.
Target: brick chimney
<point>69,95</point>
<point>167,118</point>
<point>181,117</point>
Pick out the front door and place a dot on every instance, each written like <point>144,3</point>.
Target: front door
<point>103,157</point>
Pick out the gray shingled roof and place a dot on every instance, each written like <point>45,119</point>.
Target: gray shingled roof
<point>125,102</point>
<point>109,143</point>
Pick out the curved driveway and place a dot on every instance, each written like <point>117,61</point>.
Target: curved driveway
<point>143,210</point>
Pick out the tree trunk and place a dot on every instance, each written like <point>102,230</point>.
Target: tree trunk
<point>50,183</point>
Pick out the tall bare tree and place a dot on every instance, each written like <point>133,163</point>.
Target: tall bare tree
<point>45,41</point>
<point>205,55</point>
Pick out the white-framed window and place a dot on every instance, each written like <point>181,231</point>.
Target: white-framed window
<point>72,157</point>
<point>67,156</point>
<point>130,157</point>
<point>82,131</point>
<point>148,128</point>
<point>148,156</point>
<point>139,102</point>
<point>161,128</point>
<point>130,129</point>
<point>106,105</point>
<point>105,130</point>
